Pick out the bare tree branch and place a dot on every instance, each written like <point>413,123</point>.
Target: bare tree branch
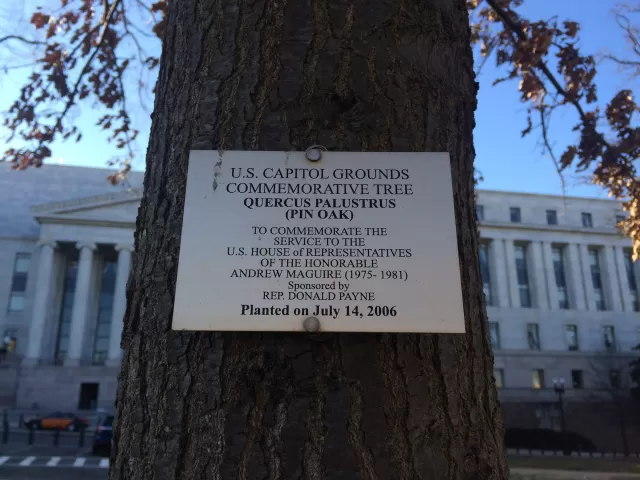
<point>21,39</point>
<point>544,117</point>
<point>6,68</point>
<point>541,65</point>
<point>71,98</point>
<point>630,63</point>
<point>485,56</point>
<point>631,33</point>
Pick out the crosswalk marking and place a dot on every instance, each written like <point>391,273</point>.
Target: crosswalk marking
<point>52,462</point>
<point>27,461</point>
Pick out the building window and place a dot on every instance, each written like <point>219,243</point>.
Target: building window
<point>614,378</point>
<point>498,375</point>
<point>557,255</point>
<point>105,309</point>
<point>609,337</point>
<point>631,279</point>
<point>523,276</point>
<point>587,220</point>
<point>620,218</point>
<point>480,213</point>
<point>552,217</point>
<point>484,271</point>
<point>537,378</point>
<point>19,282</point>
<point>533,336</point>
<point>577,379</point>
<point>571,337</point>
<point>515,214</point>
<point>494,332</point>
<point>66,308</point>
<point>596,278</point>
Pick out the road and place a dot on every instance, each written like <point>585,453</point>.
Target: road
<point>44,461</point>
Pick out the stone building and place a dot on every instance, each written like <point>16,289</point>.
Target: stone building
<point>563,305</point>
<point>66,240</point>
<point>561,290</point>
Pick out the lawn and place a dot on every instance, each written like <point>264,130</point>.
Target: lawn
<point>552,468</point>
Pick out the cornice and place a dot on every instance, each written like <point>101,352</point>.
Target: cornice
<point>549,196</point>
<point>55,219</point>
<point>76,204</point>
<point>578,354</point>
<point>551,228</point>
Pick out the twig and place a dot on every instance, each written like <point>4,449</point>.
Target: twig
<point>628,63</point>
<point>124,110</point>
<point>22,39</point>
<point>16,67</point>
<point>142,54</point>
<point>628,28</point>
<point>547,145</point>
<point>147,8</point>
<point>486,57</point>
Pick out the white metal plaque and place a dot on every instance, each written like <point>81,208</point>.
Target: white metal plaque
<point>364,242</point>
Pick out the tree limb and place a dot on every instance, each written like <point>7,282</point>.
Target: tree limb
<point>542,66</point>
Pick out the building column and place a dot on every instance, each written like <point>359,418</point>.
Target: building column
<point>538,268</point>
<point>119,304</point>
<point>611,281</point>
<point>577,294</point>
<point>41,302</point>
<point>499,274</point>
<point>587,281</point>
<point>552,287</point>
<point>512,274</point>
<point>80,304</point>
<point>625,290</point>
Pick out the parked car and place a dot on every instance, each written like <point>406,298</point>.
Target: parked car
<point>103,435</point>
<point>57,421</point>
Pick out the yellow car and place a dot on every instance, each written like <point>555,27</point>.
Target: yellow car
<point>57,421</point>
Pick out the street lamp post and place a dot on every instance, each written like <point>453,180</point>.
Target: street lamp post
<point>558,387</point>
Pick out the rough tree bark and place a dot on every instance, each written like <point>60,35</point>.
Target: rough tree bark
<point>281,75</point>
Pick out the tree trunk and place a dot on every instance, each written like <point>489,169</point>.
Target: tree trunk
<point>282,75</point>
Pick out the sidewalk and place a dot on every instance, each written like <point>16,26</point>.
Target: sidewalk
<point>543,474</point>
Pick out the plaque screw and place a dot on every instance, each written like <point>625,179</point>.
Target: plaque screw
<point>311,324</point>
<point>314,152</point>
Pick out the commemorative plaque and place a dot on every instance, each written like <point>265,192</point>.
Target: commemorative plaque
<point>316,240</point>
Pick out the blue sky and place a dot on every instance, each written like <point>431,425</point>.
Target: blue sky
<point>507,161</point>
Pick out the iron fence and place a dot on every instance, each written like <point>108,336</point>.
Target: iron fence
<point>32,436</point>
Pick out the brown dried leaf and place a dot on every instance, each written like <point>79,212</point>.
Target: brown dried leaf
<point>567,157</point>
<point>40,19</point>
<point>571,29</point>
